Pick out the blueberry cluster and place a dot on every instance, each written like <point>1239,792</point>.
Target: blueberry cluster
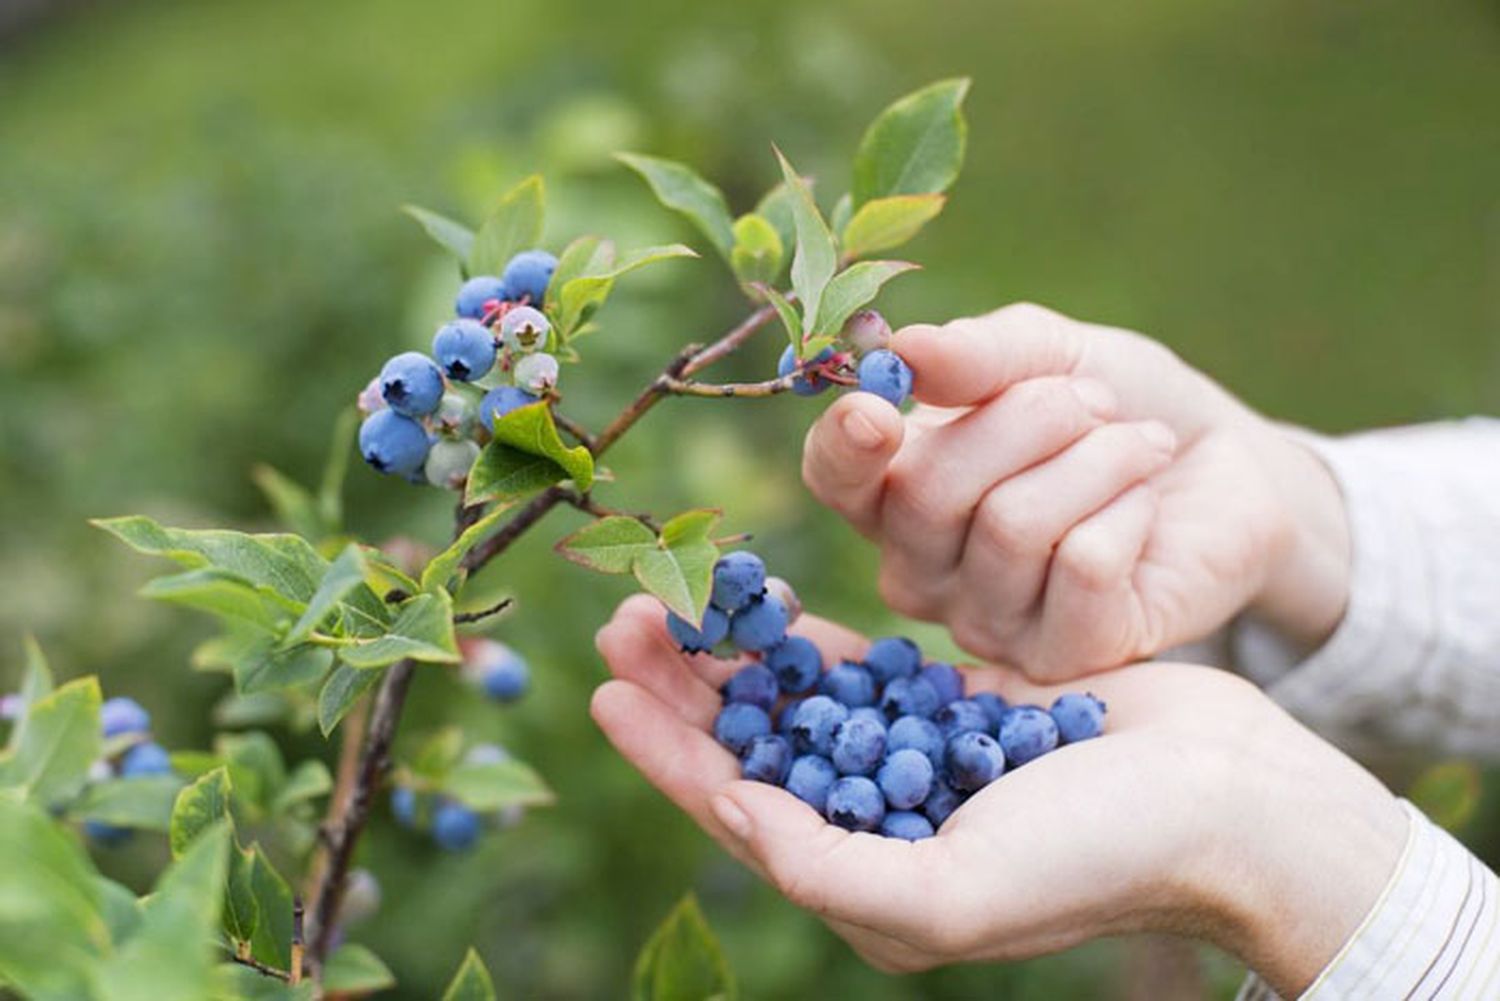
<point>452,826</point>
<point>426,417</point>
<point>125,721</point>
<point>863,356</point>
<point>890,743</point>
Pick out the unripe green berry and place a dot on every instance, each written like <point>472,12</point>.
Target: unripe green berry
<point>536,373</point>
<point>448,463</point>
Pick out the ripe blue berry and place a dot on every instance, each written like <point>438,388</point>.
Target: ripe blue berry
<point>739,578</point>
<point>404,806</point>
<point>1027,733</point>
<point>994,707</point>
<point>945,678</point>
<point>803,385</point>
<point>524,330</point>
<point>474,293</point>
<point>870,713</point>
<point>906,825</point>
<point>813,726</point>
<point>918,734</point>
<point>787,717</point>
<point>753,684</point>
<point>941,802</point>
<point>810,778</point>
<point>739,723</point>
<point>855,804</point>
<point>448,463</point>
<point>867,331</point>
<point>149,758</point>
<point>961,716</point>
<point>536,373</point>
<point>699,639</point>
<point>974,760</point>
<point>500,401</point>
<point>858,746</point>
<point>495,669</point>
<point>883,373</point>
<point>464,349</point>
<point>528,274</point>
<point>123,715</point>
<point>1078,716</point>
<point>392,443</point>
<point>455,827</point>
<point>758,626</point>
<point>893,657</point>
<point>910,697</point>
<point>906,778</point>
<point>796,662</point>
<point>106,835</point>
<point>412,384</point>
<point>766,759</point>
<point>850,683</point>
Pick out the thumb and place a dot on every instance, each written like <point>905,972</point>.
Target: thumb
<point>847,453</point>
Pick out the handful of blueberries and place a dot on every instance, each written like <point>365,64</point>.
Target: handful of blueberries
<point>890,743</point>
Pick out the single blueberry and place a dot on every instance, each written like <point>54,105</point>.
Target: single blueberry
<point>942,801</point>
<point>507,680</point>
<point>850,683</point>
<point>883,373</point>
<point>858,746</point>
<point>796,662</point>
<point>412,384</point>
<point>474,293</point>
<point>803,385</point>
<point>893,657</point>
<point>870,713</point>
<point>393,443</point>
<point>524,330</point>
<point>464,349</point>
<point>905,778</point>
<point>906,825</point>
<point>961,716</point>
<point>404,805</point>
<point>813,726</point>
<point>974,760</point>
<point>537,373</point>
<point>1078,716</point>
<point>1027,733</point>
<point>766,759</point>
<point>810,778</point>
<point>910,697</point>
<point>758,626</point>
<point>753,684</point>
<point>123,715</point>
<point>739,723</point>
<point>918,734</point>
<point>855,804</point>
<point>455,827</point>
<point>946,680</point>
<point>699,639</point>
<point>994,707</point>
<point>149,758</point>
<point>500,401</point>
<point>528,273</point>
<point>739,578</point>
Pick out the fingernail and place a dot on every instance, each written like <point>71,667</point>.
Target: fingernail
<point>1098,397</point>
<point>861,431</point>
<point>732,817</point>
<point>1158,435</point>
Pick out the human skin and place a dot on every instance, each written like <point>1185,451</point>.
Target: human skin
<point>1203,810</point>
<point>1068,497</point>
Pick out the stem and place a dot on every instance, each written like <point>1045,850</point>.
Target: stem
<point>587,504</point>
<point>261,968</point>
<point>579,433</point>
<point>513,529</point>
<point>748,390</point>
<point>483,613</point>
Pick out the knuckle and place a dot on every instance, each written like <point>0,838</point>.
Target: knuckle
<point>1091,558</point>
<point>1047,409</point>
<point>1007,522</point>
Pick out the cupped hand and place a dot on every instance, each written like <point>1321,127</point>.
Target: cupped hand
<point>1203,809</point>
<point>1068,497</point>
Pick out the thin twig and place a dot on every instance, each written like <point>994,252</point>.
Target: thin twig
<point>260,967</point>
<point>587,504</point>
<point>512,530</point>
<point>747,390</point>
<point>296,963</point>
<point>580,434</point>
<point>483,613</point>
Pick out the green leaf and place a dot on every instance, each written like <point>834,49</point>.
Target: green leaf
<point>775,206</point>
<point>915,146</point>
<point>609,545</point>
<point>241,914</point>
<point>221,593</point>
<point>514,226</point>
<point>36,684</point>
<point>815,257</point>
<point>852,288</point>
<point>571,263</point>
<point>580,297</point>
<point>439,754</point>
<point>353,969</point>
<point>143,802</point>
<point>423,631</point>
<point>452,236</point>
<point>272,941</point>
<point>342,689</point>
<point>60,741</point>
<point>294,504</point>
<point>842,210</point>
<point>199,807</point>
<point>259,665</point>
<point>120,907</point>
<point>681,189</point>
<point>757,251</point>
<point>788,316</point>
<point>344,575</point>
<point>441,568</point>
<point>497,785</point>
<point>257,771</point>
<point>679,570</point>
<point>335,468</point>
<point>471,982</point>
<point>683,961</point>
<point>883,223</point>
<point>309,780</point>
<point>526,455</point>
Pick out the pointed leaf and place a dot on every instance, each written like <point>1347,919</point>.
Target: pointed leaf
<point>571,263</point>
<point>514,226</point>
<point>286,564</point>
<point>120,907</point>
<point>36,684</point>
<point>309,780</point>
<point>423,631</point>
<point>842,210</point>
<point>526,455</point>
<point>219,592</point>
<point>683,961</point>
<point>581,296</point>
<point>335,468</point>
<point>294,504</point>
<point>259,665</point>
<point>199,807</point>
<point>472,981</point>
<point>272,942</point>
<point>241,914</point>
<point>758,252</point>
<point>786,314</point>
<point>441,568</point>
<point>680,570</point>
<point>915,146</point>
<point>342,689</point>
<point>142,802</point>
<point>495,786</point>
<point>852,288</point>
<point>775,206</point>
<point>353,969</point>
<point>609,545</point>
<point>60,742</point>
<point>815,257</point>
<point>883,223</point>
<point>681,189</point>
<point>454,237</point>
<point>439,754</point>
<point>344,575</point>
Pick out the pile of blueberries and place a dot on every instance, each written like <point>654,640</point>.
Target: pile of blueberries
<point>425,417</point>
<point>125,721</point>
<point>890,743</point>
<point>864,353</point>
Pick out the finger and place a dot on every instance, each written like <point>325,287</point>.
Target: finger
<point>971,360</point>
<point>845,455</point>
<point>637,647</point>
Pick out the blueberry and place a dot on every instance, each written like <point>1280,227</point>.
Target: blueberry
<point>455,827</point>
<point>941,802</point>
<point>412,384</point>
<point>524,330</point>
<point>528,274</point>
<point>106,835</point>
<point>787,717</point>
<point>496,669</point>
<point>946,680</point>
<point>753,684</point>
<point>739,723</point>
<point>850,683</point>
<point>1027,733</point>
<point>974,761</point>
<point>804,385</point>
<point>867,331</point>
<point>813,726</point>
<point>784,592</point>
<point>404,806</point>
<point>393,444</point>
<point>994,707</point>
<point>123,715</point>
<point>699,639</point>
<point>149,758</point>
<point>858,746</point>
<point>536,373</point>
<point>870,713</point>
<point>796,662</point>
<point>500,401</point>
<point>883,373</point>
<point>766,759</point>
<point>474,293</point>
<point>1078,717</point>
<point>905,778</point>
<point>486,754</point>
<point>918,734</point>
<point>906,825</point>
<point>758,626</point>
<point>855,804</point>
<point>893,657</point>
<point>464,349</point>
<point>810,778</point>
<point>739,578</point>
<point>448,463</point>
<point>961,716</point>
<point>910,697</point>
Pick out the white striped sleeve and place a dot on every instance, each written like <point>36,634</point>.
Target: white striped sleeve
<point>1433,934</point>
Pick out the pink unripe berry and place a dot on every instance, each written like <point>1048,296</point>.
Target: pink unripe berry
<point>867,331</point>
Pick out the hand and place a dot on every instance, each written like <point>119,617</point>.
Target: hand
<point>1070,497</point>
<point>1204,809</point>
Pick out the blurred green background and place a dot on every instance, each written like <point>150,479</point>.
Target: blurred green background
<point>201,262</point>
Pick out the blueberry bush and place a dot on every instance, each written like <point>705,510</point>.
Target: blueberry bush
<point>322,632</point>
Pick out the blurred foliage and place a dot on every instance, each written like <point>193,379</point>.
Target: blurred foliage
<point>202,261</point>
